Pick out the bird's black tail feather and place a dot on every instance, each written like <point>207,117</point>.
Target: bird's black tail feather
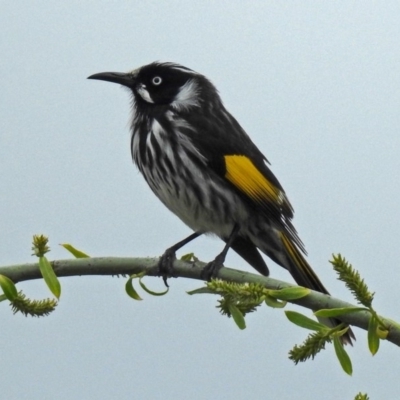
<point>304,275</point>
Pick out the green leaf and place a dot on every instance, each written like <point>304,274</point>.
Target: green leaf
<point>3,297</point>
<point>342,331</point>
<point>189,257</point>
<point>373,338</point>
<point>335,312</point>
<point>237,316</point>
<point>201,290</point>
<point>49,276</point>
<point>144,287</point>
<point>8,287</point>
<point>291,293</point>
<point>274,303</point>
<point>131,292</point>
<point>342,356</point>
<point>303,321</point>
<point>75,252</point>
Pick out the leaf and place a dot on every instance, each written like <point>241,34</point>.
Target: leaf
<point>144,287</point>
<point>8,287</point>
<point>201,290</point>
<point>274,303</point>
<point>131,292</point>
<point>342,331</point>
<point>3,297</point>
<point>342,356</point>
<point>373,338</point>
<point>75,252</point>
<point>335,312</point>
<point>49,276</point>
<point>189,257</point>
<point>290,293</point>
<point>237,316</point>
<point>303,321</point>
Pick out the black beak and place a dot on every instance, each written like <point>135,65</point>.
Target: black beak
<point>116,77</point>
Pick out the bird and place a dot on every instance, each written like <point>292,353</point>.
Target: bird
<point>204,167</point>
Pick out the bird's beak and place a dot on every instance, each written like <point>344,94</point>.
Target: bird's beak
<point>116,77</point>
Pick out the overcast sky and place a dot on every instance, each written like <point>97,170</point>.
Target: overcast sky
<point>317,87</point>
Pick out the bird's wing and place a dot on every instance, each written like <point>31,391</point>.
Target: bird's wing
<point>253,179</point>
<point>232,155</point>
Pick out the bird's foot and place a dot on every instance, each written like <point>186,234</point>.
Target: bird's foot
<point>166,265</point>
<point>212,268</point>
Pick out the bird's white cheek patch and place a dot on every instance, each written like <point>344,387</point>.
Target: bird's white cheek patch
<point>144,94</point>
<point>187,96</point>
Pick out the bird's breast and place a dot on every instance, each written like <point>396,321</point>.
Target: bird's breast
<point>178,174</point>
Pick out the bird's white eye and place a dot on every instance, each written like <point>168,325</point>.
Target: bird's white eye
<point>156,80</point>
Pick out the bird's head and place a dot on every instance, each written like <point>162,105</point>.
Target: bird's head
<point>164,84</point>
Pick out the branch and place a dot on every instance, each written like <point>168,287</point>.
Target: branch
<point>127,266</point>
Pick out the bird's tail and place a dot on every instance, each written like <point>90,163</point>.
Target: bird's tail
<point>304,275</point>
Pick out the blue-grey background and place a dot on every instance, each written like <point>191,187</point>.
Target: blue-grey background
<point>315,84</point>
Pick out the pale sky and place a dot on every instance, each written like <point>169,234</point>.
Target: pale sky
<point>317,87</point>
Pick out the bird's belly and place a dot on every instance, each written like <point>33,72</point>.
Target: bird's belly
<point>205,205</point>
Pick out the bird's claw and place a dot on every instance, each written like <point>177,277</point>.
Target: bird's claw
<point>212,268</point>
<point>166,265</point>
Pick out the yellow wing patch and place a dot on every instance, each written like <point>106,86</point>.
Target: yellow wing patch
<point>245,176</point>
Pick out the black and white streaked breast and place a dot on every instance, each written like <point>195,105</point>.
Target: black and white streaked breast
<point>176,171</point>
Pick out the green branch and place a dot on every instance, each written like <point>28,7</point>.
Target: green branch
<point>127,266</point>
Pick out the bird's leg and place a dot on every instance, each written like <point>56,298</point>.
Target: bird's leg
<point>166,263</point>
<point>212,268</point>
